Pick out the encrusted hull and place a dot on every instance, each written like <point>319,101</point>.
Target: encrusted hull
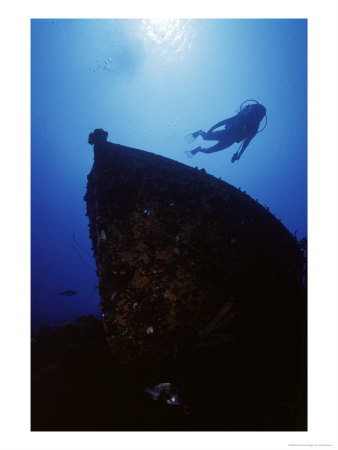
<point>184,260</point>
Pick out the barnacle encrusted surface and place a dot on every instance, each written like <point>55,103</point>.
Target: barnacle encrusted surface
<point>174,247</point>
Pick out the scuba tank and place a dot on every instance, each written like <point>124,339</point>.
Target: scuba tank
<point>241,110</point>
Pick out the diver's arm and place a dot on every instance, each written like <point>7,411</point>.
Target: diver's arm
<point>245,144</point>
<point>238,154</point>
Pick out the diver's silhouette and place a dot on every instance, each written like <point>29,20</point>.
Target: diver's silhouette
<point>242,127</point>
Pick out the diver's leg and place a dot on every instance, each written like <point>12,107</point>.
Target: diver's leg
<point>215,148</point>
<point>208,136</point>
<point>225,142</point>
<point>198,133</point>
<point>213,135</point>
<point>189,138</point>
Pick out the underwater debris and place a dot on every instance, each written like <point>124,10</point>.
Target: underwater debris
<point>164,392</point>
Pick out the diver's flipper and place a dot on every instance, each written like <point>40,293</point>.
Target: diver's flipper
<point>189,138</point>
<point>189,154</point>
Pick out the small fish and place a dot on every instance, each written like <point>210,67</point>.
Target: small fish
<point>67,293</point>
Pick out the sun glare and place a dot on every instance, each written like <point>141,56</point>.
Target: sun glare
<point>170,36</point>
<point>161,30</point>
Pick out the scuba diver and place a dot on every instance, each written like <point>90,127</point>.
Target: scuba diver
<point>242,127</point>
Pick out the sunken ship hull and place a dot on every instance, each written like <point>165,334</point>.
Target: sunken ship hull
<point>190,265</point>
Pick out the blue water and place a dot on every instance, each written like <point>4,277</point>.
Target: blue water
<point>149,83</point>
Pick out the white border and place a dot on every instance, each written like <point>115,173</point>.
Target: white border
<point>323,190</point>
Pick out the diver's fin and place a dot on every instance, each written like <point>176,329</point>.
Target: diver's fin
<point>189,154</point>
<point>189,138</point>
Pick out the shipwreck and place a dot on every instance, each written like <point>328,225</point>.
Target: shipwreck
<point>190,265</point>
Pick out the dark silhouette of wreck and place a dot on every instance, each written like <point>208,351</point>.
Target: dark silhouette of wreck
<point>200,286</point>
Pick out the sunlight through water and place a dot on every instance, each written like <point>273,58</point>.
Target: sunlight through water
<point>169,38</point>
